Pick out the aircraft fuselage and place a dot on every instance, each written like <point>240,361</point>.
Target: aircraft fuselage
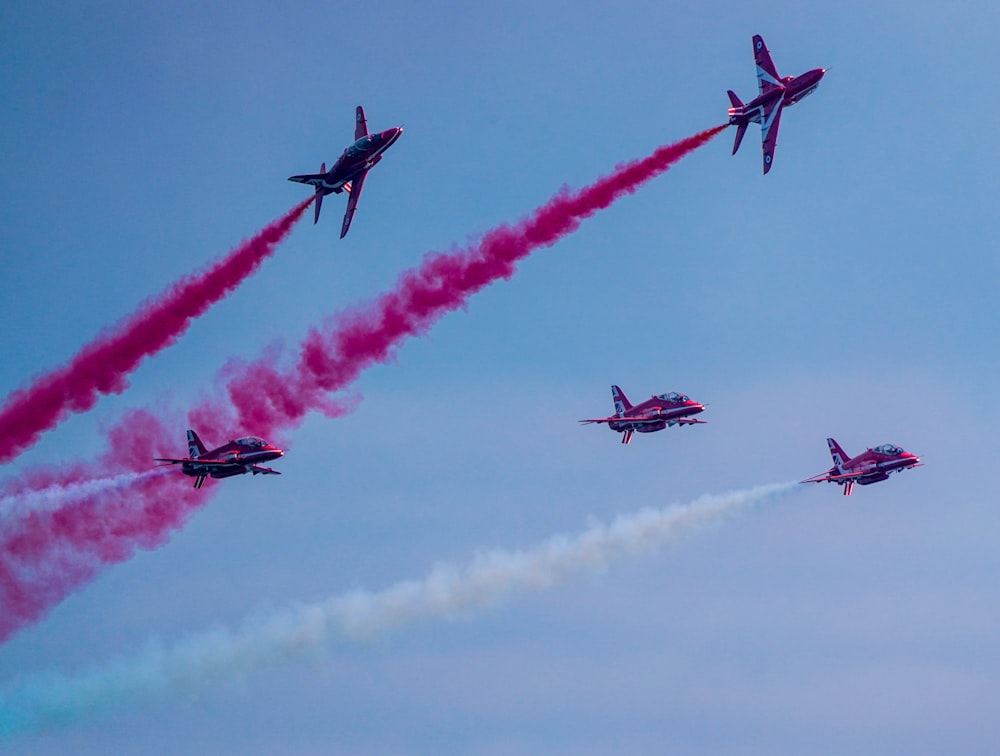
<point>664,417</point>
<point>792,89</point>
<point>357,159</point>
<point>240,463</point>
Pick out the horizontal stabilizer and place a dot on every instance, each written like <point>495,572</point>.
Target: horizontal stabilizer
<point>308,178</point>
<point>740,131</point>
<point>821,478</point>
<point>258,470</point>
<point>834,476</point>
<point>319,204</point>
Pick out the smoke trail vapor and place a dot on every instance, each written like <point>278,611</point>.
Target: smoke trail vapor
<point>266,399</point>
<point>46,700</point>
<point>56,495</point>
<point>102,365</point>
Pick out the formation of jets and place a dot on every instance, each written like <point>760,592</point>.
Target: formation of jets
<point>656,413</point>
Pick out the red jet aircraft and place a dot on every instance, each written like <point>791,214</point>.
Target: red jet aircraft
<point>235,458</point>
<point>348,173</point>
<point>654,414</point>
<point>871,466</point>
<point>775,93</point>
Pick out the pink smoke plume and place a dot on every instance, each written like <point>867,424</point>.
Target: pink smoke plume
<point>268,399</point>
<point>46,554</point>
<point>102,365</point>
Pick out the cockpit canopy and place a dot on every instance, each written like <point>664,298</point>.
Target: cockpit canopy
<point>252,441</point>
<point>364,144</point>
<point>673,396</point>
<point>890,449</point>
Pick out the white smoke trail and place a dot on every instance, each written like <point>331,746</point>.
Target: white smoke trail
<point>51,699</point>
<point>53,497</point>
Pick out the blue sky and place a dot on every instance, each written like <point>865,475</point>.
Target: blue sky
<point>849,293</point>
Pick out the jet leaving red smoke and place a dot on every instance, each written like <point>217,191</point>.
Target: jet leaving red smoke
<point>267,399</point>
<point>47,554</point>
<point>102,365</point>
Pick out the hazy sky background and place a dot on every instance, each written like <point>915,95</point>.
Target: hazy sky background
<point>851,292</point>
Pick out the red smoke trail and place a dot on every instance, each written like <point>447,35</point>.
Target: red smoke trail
<point>266,399</point>
<point>48,554</point>
<point>101,366</point>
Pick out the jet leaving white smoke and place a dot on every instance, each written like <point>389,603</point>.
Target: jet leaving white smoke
<point>50,699</point>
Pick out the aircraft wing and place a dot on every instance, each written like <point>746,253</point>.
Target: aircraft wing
<point>687,421</point>
<point>360,124</point>
<point>767,74</point>
<point>354,194</point>
<point>635,420</point>
<point>200,462</point>
<point>822,477</point>
<point>769,121</point>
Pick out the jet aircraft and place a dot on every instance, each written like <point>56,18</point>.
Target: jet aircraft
<point>654,414</point>
<point>235,458</point>
<point>348,173</point>
<point>871,466</point>
<point>775,93</point>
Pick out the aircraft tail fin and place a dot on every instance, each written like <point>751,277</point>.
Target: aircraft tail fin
<point>195,447</point>
<point>736,101</point>
<point>838,454</point>
<point>621,401</point>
